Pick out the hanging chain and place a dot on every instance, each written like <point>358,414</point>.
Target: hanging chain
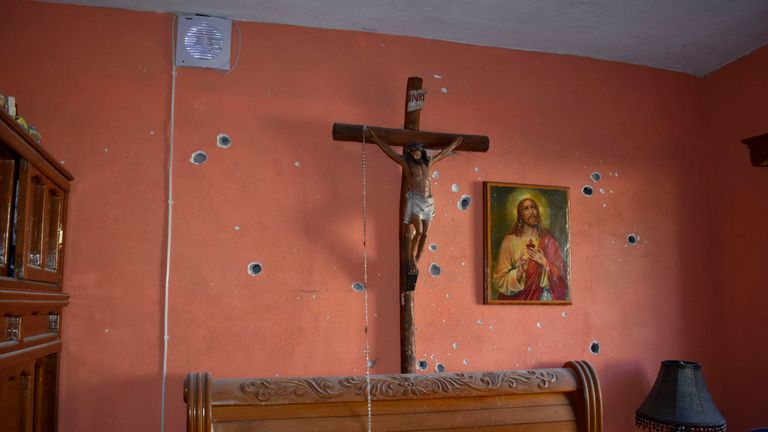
<point>363,159</point>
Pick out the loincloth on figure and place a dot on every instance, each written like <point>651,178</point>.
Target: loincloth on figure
<point>421,206</point>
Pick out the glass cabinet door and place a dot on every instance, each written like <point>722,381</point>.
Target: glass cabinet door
<point>41,209</point>
<point>7,185</point>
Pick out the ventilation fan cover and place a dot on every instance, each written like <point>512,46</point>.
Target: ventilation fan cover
<point>203,41</point>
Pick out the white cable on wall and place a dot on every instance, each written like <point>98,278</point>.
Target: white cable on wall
<point>168,229</point>
<point>239,46</point>
<point>166,297</point>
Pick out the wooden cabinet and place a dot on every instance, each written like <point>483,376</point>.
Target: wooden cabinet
<point>28,395</point>
<point>34,190</point>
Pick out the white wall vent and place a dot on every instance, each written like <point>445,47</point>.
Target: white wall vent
<point>203,41</point>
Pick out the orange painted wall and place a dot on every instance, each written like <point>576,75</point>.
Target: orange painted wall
<point>99,96</point>
<point>736,98</point>
<point>98,84</point>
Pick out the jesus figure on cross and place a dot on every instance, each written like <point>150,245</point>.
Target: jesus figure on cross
<point>420,205</point>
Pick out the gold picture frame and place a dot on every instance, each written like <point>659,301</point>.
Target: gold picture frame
<point>526,244</point>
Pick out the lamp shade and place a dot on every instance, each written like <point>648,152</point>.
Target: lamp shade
<point>679,402</point>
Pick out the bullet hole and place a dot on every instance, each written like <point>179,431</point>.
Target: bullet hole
<point>436,175</point>
<point>564,314</point>
<point>444,90</point>
<point>439,368</point>
<point>595,176</point>
<point>237,227</point>
<point>433,247</point>
<point>466,361</point>
<point>587,191</point>
<point>454,187</point>
<point>477,169</point>
<point>372,362</point>
<point>223,140</point>
<point>422,364</point>
<point>594,348</point>
<point>199,158</point>
<point>435,270</point>
<point>455,345</point>
<point>538,325</point>
<point>632,239</point>
<point>255,268</point>
<point>358,287</point>
<point>464,202</point>
<point>297,164</point>
<point>480,322</point>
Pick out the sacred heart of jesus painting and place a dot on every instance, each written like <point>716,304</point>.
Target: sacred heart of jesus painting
<point>526,244</point>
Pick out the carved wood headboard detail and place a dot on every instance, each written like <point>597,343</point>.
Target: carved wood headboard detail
<point>558,399</point>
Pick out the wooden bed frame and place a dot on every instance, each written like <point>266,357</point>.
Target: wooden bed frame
<point>560,399</point>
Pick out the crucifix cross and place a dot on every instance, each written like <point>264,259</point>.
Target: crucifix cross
<point>403,137</point>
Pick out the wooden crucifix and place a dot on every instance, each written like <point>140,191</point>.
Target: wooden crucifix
<point>385,137</point>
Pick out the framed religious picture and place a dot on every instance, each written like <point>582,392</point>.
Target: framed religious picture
<point>526,244</point>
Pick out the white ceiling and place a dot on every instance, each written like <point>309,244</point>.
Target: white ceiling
<point>692,36</point>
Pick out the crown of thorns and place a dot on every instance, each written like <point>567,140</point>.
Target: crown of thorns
<point>414,146</point>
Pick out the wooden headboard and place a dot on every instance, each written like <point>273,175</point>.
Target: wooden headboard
<point>559,399</point>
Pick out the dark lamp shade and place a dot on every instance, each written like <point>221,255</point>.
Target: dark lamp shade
<point>679,402</point>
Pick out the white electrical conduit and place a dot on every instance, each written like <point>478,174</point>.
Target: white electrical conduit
<point>170,205</point>
<point>168,228</point>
